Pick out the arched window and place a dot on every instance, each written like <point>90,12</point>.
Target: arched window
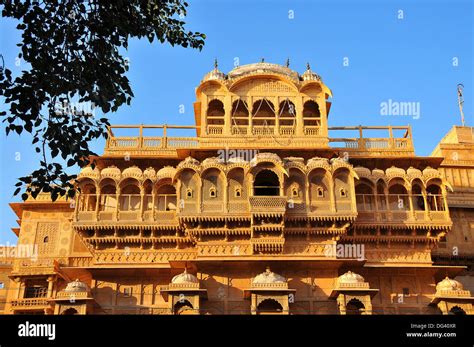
<point>46,239</point>
<point>266,184</point>
<point>269,306</point>
<point>456,310</point>
<point>294,187</point>
<point>70,311</point>
<point>215,112</point>
<point>354,307</point>
<point>342,189</point>
<point>166,197</point>
<point>287,113</point>
<point>294,191</point>
<point>87,197</point>
<point>130,198</point>
<point>183,307</point>
<point>398,197</point>
<point>189,193</point>
<point>434,197</point>
<point>240,113</point>
<point>236,187</point>
<point>108,197</point>
<point>311,114</point>
<point>364,196</point>
<point>417,196</point>
<point>319,183</point>
<point>263,117</point>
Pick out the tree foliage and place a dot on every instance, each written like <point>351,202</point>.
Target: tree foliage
<point>74,53</point>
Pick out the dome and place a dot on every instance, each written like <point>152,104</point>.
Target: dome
<point>76,286</point>
<point>132,172</point>
<point>449,284</point>
<point>350,278</point>
<point>111,172</point>
<point>184,277</point>
<point>262,68</point>
<point>317,162</point>
<point>413,173</point>
<point>166,172</point>
<point>268,277</point>
<point>309,75</point>
<point>214,74</point>
<point>378,173</point>
<point>149,173</point>
<point>394,172</point>
<point>189,161</point>
<point>88,172</point>
<point>429,172</point>
<point>363,171</point>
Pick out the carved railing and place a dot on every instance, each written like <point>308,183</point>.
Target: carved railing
<point>268,204</point>
<point>312,130</point>
<point>129,209</point>
<point>33,303</point>
<point>358,285</point>
<point>453,293</point>
<point>374,144</point>
<point>169,144</point>
<point>215,129</point>
<point>263,130</point>
<point>269,286</point>
<point>287,130</point>
<point>72,295</point>
<point>397,208</point>
<point>239,130</point>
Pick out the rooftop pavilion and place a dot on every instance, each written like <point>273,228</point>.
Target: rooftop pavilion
<point>260,106</point>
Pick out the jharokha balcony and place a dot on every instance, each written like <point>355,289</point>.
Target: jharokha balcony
<point>429,210</point>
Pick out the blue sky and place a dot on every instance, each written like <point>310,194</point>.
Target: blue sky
<point>409,59</point>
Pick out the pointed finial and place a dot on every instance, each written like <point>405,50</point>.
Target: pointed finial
<point>308,67</point>
<point>288,62</point>
<point>215,64</point>
<point>461,102</point>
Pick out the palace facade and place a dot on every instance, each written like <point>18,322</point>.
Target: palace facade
<point>263,209</point>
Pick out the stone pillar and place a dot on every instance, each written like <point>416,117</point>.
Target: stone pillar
<point>277,117</point>
<point>117,208</point>
<point>142,203</point>
<point>227,115</point>
<point>97,203</point>
<point>50,286</point>
<point>250,108</point>
<point>253,304</point>
<point>332,198</point>
<point>299,115</point>
<point>204,106</point>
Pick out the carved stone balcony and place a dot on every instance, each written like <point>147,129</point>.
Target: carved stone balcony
<point>398,211</point>
<point>31,304</point>
<point>266,245</point>
<point>268,204</point>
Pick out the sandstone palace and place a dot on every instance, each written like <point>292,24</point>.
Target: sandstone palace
<point>259,208</point>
